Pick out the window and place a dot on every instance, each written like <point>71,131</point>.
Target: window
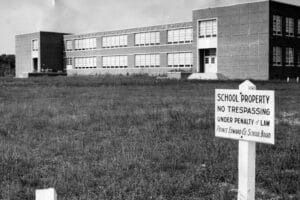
<point>213,60</point>
<point>147,60</point>
<point>83,44</point>
<point>277,56</point>
<point>289,57</point>
<point>298,58</point>
<point>180,60</point>
<point>145,39</point>
<point>277,25</point>
<point>180,36</point>
<point>69,45</point>
<point>87,62</point>
<point>114,62</point>
<point>298,28</point>
<point>114,41</point>
<point>289,27</point>
<point>214,27</point>
<point>206,60</point>
<point>208,28</point>
<point>35,45</point>
<point>68,61</point>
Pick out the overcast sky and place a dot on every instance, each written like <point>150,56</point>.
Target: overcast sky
<point>83,16</point>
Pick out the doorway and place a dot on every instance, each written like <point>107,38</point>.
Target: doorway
<point>35,64</point>
<point>208,61</point>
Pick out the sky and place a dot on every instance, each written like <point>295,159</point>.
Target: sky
<point>84,16</point>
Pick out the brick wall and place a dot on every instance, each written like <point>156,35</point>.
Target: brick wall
<point>243,39</point>
<point>163,49</point>
<point>50,54</point>
<point>284,10</point>
<point>23,54</point>
<point>52,51</point>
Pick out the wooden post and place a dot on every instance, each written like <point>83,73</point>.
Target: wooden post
<point>246,159</point>
<point>247,154</point>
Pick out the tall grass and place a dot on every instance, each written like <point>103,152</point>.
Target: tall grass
<point>116,137</point>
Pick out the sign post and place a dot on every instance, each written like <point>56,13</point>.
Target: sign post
<point>247,157</point>
<point>246,115</point>
<point>247,154</point>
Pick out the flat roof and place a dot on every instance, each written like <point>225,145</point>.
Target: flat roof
<point>133,30</point>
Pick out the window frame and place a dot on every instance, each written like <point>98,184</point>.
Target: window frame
<point>289,57</point>
<point>147,38</point>
<point>298,58</point>
<point>114,41</point>
<point>289,27</point>
<point>85,62</point>
<point>115,62</point>
<point>184,35</point>
<point>277,56</point>
<point>277,25</point>
<point>147,60</point>
<point>207,28</point>
<point>84,44</point>
<point>35,45</point>
<point>180,60</point>
<point>69,45</point>
<point>298,28</point>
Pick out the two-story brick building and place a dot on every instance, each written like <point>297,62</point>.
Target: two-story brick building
<point>258,40</point>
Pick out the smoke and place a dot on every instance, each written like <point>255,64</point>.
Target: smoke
<point>100,15</point>
<point>58,16</point>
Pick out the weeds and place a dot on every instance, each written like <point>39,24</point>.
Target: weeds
<point>117,137</point>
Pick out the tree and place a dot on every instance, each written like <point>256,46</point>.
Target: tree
<point>7,65</point>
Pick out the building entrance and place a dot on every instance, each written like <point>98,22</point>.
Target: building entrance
<point>35,64</point>
<point>210,61</point>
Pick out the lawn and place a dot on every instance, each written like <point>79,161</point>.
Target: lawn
<point>135,138</point>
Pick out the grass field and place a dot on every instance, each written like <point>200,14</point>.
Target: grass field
<point>135,138</point>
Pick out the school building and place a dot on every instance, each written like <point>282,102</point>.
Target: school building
<point>259,40</point>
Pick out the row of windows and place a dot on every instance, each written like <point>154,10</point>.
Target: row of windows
<point>87,62</point>
<point>289,57</point>
<point>289,26</point>
<point>208,28</point>
<point>142,39</point>
<point>82,44</point>
<point>114,41</point>
<point>180,60</point>
<point>145,60</point>
<point>115,62</point>
<point>180,36</point>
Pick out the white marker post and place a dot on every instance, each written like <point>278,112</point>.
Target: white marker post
<point>247,115</point>
<point>247,157</point>
<point>46,194</point>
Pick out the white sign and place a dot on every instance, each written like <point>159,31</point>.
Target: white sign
<point>245,115</point>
